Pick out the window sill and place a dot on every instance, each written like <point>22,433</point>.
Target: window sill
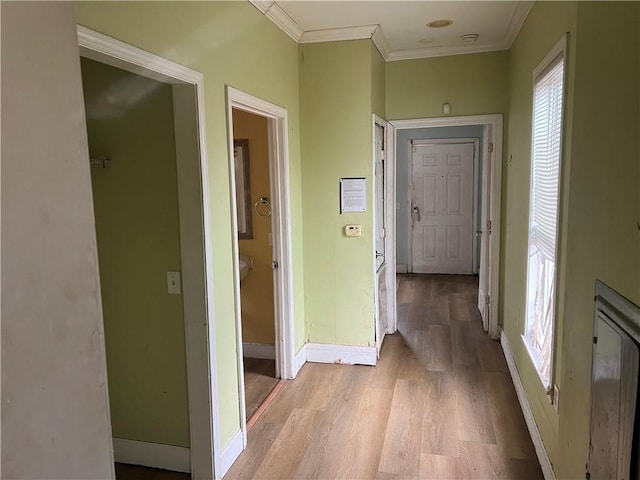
<point>536,360</point>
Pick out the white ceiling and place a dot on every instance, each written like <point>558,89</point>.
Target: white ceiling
<point>397,27</point>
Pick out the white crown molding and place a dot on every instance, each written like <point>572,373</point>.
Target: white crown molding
<point>261,5</point>
<point>443,52</point>
<point>520,14</point>
<point>277,15</point>
<point>338,34</point>
<point>380,41</point>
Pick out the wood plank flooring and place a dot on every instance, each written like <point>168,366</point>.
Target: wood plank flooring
<point>440,404</point>
<point>259,380</point>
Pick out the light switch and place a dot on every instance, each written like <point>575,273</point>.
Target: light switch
<point>353,230</point>
<point>173,283</point>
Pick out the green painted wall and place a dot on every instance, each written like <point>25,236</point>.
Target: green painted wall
<point>546,24</point>
<point>602,233</point>
<point>473,84</point>
<point>600,184</point>
<point>130,118</point>
<point>377,82</point>
<point>231,43</point>
<point>335,113</point>
<point>337,86</point>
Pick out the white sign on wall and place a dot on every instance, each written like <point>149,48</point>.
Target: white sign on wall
<point>353,195</point>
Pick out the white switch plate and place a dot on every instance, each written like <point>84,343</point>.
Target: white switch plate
<point>173,283</point>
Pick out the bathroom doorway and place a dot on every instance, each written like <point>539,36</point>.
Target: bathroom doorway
<point>263,284</point>
<point>255,259</point>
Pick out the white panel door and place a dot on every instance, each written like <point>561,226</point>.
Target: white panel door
<point>380,250</point>
<point>442,208</point>
<point>484,231</point>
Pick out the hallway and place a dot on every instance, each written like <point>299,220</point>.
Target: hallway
<point>440,404</point>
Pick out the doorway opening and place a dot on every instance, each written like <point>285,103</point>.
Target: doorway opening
<point>262,249</point>
<point>448,205</point>
<point>255,256</point>
<point>145,122</point>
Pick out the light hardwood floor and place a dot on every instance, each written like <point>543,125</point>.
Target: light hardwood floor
<point>440,404</point>
<point>259,380</point>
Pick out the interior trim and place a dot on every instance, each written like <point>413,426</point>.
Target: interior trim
<point>155,455</point>
<point>536,438</point>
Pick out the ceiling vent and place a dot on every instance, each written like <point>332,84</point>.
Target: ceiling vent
<point>469,38</point>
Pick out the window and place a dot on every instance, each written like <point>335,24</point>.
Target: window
<point>546,152</point>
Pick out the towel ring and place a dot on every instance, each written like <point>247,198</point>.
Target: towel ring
<point>263,211</point>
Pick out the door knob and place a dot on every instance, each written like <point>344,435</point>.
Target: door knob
<point>415,211</point>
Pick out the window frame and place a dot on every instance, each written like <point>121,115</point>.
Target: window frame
<point>559,50</point>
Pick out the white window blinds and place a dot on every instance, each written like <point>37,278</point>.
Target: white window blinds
<point>547,134</point>
<point>546,151</point>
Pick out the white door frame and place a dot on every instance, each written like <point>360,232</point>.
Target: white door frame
<point>494,208</point>
<point>474,214</point>
<point>390,214</point>
<point>390,174</point>
<point>195,234</point>
<point>278,128</point>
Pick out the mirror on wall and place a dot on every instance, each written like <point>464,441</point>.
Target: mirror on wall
<point>243,188</point>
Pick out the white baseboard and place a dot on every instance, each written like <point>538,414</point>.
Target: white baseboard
<point>156,455</point>
<point>230,454</point>
<point>299,360</point>
<point>259,350</point>
<point>536,438</point>
<point>401,268</point>
<point>350,355</point>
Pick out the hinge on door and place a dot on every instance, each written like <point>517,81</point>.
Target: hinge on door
<point>384,232</point>
<point>487,300</point>
<point>491,147</point>
<point>274,265</point>
<point>489,226</point>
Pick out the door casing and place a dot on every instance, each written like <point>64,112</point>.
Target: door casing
<point>277,121</point>
<point>493,209</point>
<point>195,235</point>
<point>389,264</point>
